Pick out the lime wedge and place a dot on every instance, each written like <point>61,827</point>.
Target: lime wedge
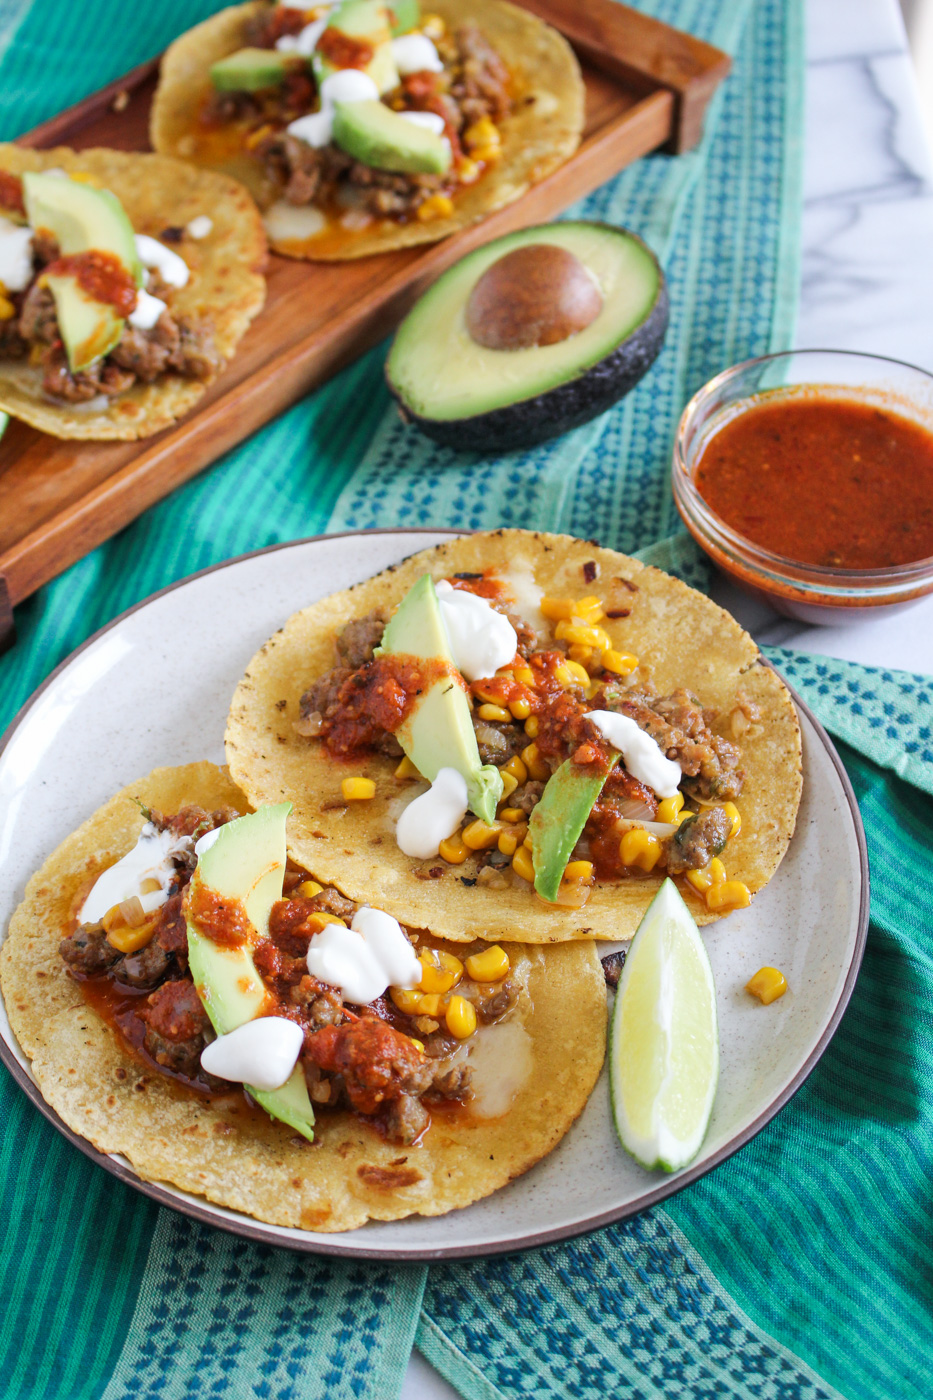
<point>663,1038</point>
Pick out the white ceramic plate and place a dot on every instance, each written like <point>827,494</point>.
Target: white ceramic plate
<point>154,687</point>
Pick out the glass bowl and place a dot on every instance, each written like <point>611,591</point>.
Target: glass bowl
<point>810,592</point>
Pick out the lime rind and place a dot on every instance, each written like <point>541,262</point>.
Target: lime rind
<point>663,1039</point>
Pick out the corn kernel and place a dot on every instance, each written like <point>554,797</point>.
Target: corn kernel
<point>511,814</point>
<point>522,863</point>
<point>583,635</point>
<point>256,137</point>
<point>358,789</point>
<point>418,1044</point>
<point>535,763</point>
<point>589,609</point>
<point>406,1000</point>
<point>620,663</point>
<point>491,965</point>
<point>460,1018</point>
<point>509,784</point>
<point>670,808</point>
<point>729,894</point>
<point>130,940</point>
<point>433,26</point>
<point>407,769</point>
<point>516,768</point>
<point>453,850</point>
<point>639,848</point>
<point>564,676</point>
<point>317,920</point>
<point>578,871</point>
<point>431,1004</point>
<point>440,971</point>
<point>767,984</point>
<point>482,133</point>
<point>524,675</point>
<point>468,171</point>
<point>532,726</point>
<point>308,889</point>
<point>436,206</point>
<point>557,609</point>
<point>519,709</point>
<point>7,309</point>
<point>497,712</point>
<point>480,836</point>
<point>486,695</point>
<point>717,871</point>
<point>701,880</point>
<point>735,816</point>
<point>579,673</point>
<point>509,841</point>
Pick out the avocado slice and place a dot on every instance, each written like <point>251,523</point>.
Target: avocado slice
<point>474,398</point>
<point>81,218</point>
<point>558,820</point>
<point>250,70</point>
<point>246,863</point>
<point>438,732</point>
<point>367,22</point>
<point>379,137</point>
<point>90,329</point>
<point>403,16</point>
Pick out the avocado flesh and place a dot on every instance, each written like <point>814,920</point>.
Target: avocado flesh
<point>89,329</point>
<point>558,821</point>
<point>438,732</point>
<point>249,70</point>
<point>81,218</point>
<point>404,16</point>
<point>246,863</point>
<point>379,137</point>
<point>474,398</point>
<point>368,22</point>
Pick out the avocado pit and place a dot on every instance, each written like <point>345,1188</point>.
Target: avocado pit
<point>539,294</point>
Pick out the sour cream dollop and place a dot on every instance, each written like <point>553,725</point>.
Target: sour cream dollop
<point>150,859</point>
<point>170,267</point>
<point>147,311</point>
<point>364,959</point>
<point>431,121</point>
<point>481,639</point>
<point>415,53</point>
<point>305,42</point>
<point>15,256</point>
<point>642,755</point>
<point>200,226</point>
<point>346,85</point>
<point>261,1053</point>
<point>427,821</point>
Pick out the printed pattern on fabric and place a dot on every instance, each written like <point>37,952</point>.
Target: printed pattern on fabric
<point>268,1312</point>
<point>630,1312</point>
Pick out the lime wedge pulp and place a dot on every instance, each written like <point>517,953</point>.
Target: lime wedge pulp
<point>663,1038</point>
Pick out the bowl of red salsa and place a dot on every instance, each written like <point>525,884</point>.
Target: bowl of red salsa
<point>807,476</point>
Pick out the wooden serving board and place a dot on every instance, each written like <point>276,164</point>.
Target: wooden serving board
<point>647,87</point>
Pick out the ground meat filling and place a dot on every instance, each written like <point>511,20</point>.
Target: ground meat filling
<point>681,727</point>
<point>175,344</point>
<point>361,1058</point>
<point>697,840</point>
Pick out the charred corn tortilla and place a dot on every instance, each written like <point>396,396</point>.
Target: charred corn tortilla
<point>226,284</point>
<point>237,1157</point>
<point>543,131</point>
<point>682,639</point>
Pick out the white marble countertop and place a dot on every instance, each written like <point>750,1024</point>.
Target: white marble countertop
<point>865,285</point>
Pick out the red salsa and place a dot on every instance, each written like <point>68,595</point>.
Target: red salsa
<point>11,193</point>
<point>829,481</point>
<point>101,275</point>
<point>378,697</point>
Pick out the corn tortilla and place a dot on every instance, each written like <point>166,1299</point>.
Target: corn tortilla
<point>226,284</point>
<point>543,131</point>
<point>236,1156</point>
<point>682,639</point>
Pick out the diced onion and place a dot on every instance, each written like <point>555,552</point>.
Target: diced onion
<point>309,726</point>
<point>492,738</point>
<point>658,829</point>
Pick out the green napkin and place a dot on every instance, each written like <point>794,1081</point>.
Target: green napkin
<point>810,1247</point>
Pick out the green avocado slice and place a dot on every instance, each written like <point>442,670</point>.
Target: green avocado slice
<point>250,70</point>
<point>403,16</point>
<point>246,863</point>
<point>438,732</point>
<point>558,821</point>
<point>475,398</point>
<point>367,22</point>
<point>383,139</point>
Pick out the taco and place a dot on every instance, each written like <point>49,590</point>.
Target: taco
<point>423,1099</point>
<point>128,281</point>
<point>614,726</point>
<point>362,127</point>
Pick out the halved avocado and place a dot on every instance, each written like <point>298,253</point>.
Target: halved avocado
<point>575,353</point>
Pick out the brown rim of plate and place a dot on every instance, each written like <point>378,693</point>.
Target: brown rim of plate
<point>265,1234</point>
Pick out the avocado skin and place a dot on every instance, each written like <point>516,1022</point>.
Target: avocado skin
<point>562,408</point>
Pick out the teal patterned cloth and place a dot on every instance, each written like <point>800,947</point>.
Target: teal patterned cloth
<point>798,1270</point>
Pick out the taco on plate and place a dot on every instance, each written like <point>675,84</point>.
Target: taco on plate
<point>360,126</point>
<point>126,283</point>
<point>165,955</point>
<point>587,726</point>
